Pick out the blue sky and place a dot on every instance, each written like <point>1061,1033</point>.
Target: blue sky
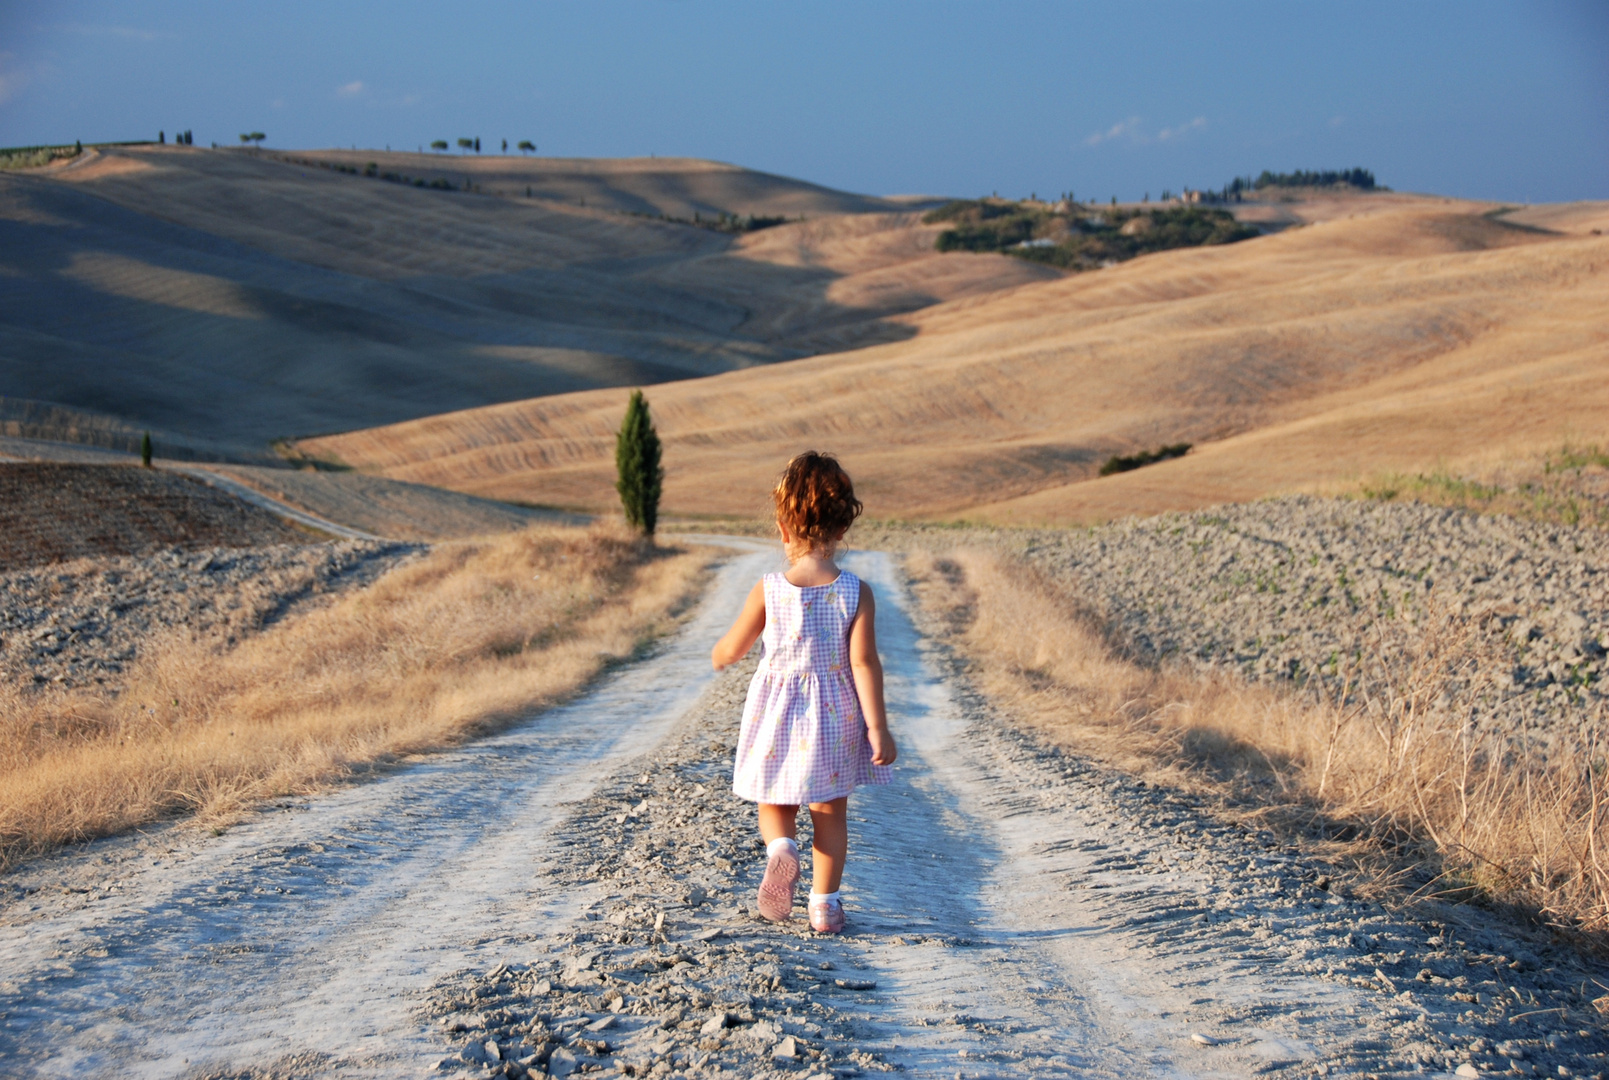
<point>1493,100</point>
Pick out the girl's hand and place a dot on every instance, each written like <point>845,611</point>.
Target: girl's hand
<point>883,749</point>
<point>867,667</point>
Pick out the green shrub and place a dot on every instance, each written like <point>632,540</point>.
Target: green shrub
<point>1077,238</point>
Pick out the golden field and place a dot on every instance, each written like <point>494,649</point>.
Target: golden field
<point>1374,332</point>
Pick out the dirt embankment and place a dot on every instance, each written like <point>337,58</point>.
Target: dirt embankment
<point>53,512</point>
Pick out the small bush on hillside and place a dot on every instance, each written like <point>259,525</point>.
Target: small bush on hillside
<point>1127,462</point>
<point>722,222</point>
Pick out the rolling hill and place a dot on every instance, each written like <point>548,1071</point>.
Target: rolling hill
<point>1383,331</point>
<point>226,299</point>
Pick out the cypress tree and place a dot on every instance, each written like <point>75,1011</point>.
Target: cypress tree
<point>145,450</point>
<point>637,465</point>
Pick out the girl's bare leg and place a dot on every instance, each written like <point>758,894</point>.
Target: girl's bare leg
<point>778,821</point>
<point>831,843</point>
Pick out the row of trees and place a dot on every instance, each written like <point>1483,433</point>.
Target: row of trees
<point>1362,179</point>
<point>525,146</point>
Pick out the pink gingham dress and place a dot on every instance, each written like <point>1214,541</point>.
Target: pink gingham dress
<point>803,738</point>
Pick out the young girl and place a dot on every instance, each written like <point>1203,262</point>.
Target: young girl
<point>813,725</point>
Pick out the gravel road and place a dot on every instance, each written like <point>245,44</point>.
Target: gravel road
<point>574,895</point>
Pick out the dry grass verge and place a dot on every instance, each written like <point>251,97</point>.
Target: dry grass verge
<point>1569,486</point>
<point>470,636</point>
<point>1424,799</point>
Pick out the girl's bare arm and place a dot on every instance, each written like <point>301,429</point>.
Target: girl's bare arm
<point>744,633</point>
<point>867,667</point>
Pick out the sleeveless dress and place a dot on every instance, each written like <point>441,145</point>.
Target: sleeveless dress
<point>803,738</point>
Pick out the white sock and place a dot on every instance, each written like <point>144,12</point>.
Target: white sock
<point>825,897</point>
<point>781,844</point>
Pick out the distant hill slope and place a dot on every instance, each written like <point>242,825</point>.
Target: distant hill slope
<point>1395,331</point>
<point>231,299</point>
<point>673,187</point>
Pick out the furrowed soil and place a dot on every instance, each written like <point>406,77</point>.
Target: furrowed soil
<point>52,512</point>
<point>575,895</point>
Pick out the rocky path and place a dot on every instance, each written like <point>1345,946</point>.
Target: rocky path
<point>573,896</point>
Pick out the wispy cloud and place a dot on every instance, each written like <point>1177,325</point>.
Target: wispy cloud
<point>1337,121</point>
<point>130,33</point>
<point>351,89</point>
<point>1123,128</point>
<point>1183,129</point>
<point>1134,132</point>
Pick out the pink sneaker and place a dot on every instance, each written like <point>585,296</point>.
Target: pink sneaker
<point>776,888</point>
<point>827,916</point>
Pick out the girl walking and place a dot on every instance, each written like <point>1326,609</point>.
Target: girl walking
<point>814,727</point>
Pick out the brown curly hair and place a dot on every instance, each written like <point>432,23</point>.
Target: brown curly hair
<point>815,501</point>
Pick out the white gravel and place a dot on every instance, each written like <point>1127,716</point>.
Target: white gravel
<point>575,893</point>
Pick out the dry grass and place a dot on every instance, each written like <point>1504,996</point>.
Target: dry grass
<point>471,636</point>
<point>1428,802</point>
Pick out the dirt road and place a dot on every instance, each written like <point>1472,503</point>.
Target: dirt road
<point>574,895</point>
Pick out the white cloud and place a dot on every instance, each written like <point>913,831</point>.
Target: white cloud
<point>1183,129</point>
<point>1129,127</point>
<point>351,89</point>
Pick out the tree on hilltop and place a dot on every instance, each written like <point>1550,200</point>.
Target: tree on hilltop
<point>439,145</point>
<point>527,146</point>
<point>253,137</point>
<point>466,144</point>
